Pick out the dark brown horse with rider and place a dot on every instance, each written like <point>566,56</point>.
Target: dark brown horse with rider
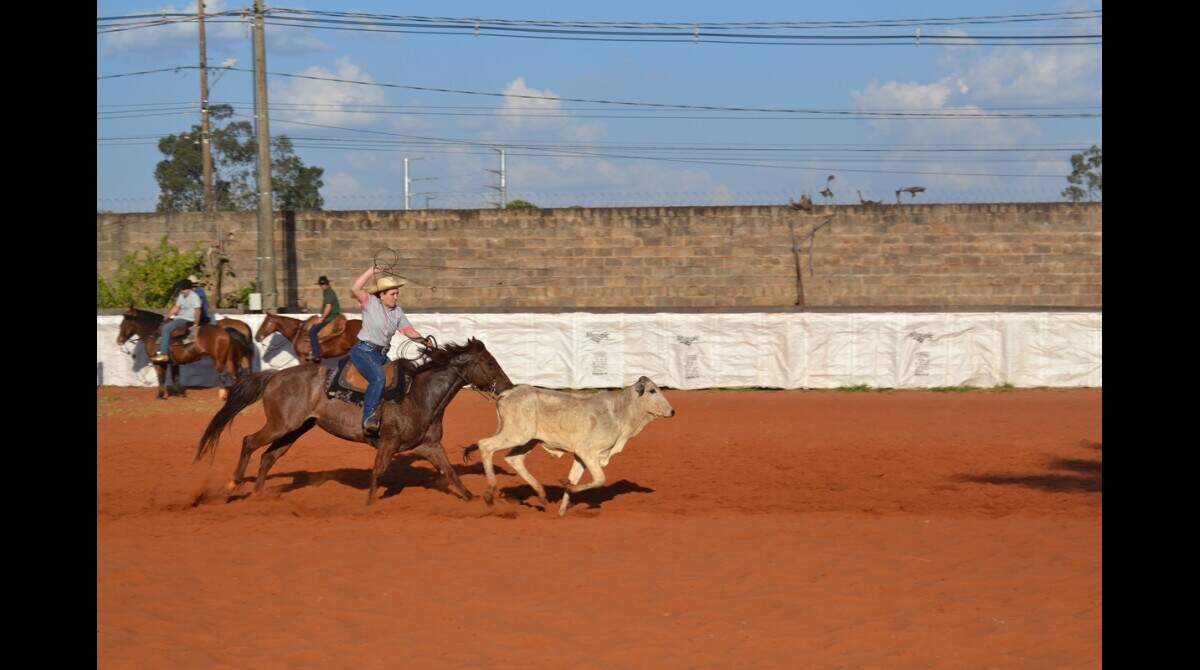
<point>226,341</point>
<point>295,400</point>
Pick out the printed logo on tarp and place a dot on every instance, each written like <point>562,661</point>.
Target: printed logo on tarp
<point>685,340</point>
<point>922,369</point>
<point>599,364</point>
<point>920,337</point>
<point>597,337</point>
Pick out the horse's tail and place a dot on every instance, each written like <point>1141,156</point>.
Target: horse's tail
<point>466,456</point>
<point>239,338</point>
<point>241,346</point>
<point>244,393</point>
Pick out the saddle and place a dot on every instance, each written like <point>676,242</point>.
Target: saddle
<point>331,330</point>
<point>346,383</point>
<point>182,335</point>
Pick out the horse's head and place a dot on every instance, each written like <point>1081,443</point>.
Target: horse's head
<point>137,322</point>
<point>481,368</point>
<point>267,327</point>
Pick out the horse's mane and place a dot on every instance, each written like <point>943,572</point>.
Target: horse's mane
<point>144,316</point>
<point>440,358</point>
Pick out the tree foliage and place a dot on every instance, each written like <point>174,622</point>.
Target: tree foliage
<point>147,281</point>
<point>180,175</point>
<point>520,204</point>
<point>1085,178</point>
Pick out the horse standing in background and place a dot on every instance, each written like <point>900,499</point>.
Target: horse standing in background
<point>226,341</point>
<point>296,332</point>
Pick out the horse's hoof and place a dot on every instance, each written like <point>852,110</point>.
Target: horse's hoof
<point>231,487</point>
<point>489,497</point>
<point>466,495</point>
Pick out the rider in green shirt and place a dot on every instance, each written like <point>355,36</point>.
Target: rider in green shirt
<point>329,310</point>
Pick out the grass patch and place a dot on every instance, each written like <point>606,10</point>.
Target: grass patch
<point>953,389</point>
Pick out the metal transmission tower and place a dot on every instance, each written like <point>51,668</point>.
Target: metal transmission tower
<point>266,231</point>
<point>408,182</point>
<point>503,187</point>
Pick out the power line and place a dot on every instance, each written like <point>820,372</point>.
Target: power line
<point>766,32</point>
<point>583,154</point>
<point>655,105</point>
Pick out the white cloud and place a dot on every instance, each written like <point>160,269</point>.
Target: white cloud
<point>973,79</point>
<point>558,181</point>
<point>327,102</point>
<point>895,95</point>
<point>1047,76</point>
<point>1042,75</point>
<point>342,184</point>
<point>524,110</point>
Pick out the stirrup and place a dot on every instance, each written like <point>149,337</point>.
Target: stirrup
<point>371,427</point>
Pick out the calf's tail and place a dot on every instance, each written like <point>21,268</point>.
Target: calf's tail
<point>466,455</point>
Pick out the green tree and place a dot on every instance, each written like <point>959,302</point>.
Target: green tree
<point>520,204</point>
<point>1086,169</point>
<point>296,186</point>
<point>147,281</point>
<point>180,175</point>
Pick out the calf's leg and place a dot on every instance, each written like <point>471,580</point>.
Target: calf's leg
<point>516,458</point>
<point>573,478</point>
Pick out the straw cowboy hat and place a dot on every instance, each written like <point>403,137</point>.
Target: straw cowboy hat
<point>386,282</point>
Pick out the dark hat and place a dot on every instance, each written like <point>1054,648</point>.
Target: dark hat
<point>323,280</point>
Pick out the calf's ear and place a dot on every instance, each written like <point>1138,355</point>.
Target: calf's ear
<point>641,386</point>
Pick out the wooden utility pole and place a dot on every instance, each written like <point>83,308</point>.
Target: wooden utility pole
<point>210,201</point>
<point>266,231</point>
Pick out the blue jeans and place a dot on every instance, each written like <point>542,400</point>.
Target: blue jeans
<point>370,361</point>
<point>165,342</point>
<point>312,336</point>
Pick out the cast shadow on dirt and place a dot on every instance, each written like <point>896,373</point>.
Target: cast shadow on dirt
<point>1085,475</point>
<point>406,470</point>
<point>594,498</point>
<point>524,495</point>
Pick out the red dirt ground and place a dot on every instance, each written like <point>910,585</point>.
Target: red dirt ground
<point>756,529</point>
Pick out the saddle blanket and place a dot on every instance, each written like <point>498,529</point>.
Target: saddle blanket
<point>346,383</point>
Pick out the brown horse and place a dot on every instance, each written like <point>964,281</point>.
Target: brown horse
<point>294,401</point>
<point>296,332</point>
<point>226,341</point>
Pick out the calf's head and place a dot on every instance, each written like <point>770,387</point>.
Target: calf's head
<point>651,399</point>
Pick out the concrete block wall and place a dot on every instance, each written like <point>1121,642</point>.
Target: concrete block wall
<point>960,256</point>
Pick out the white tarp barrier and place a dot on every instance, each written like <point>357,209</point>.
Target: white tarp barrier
<point>692,351</point>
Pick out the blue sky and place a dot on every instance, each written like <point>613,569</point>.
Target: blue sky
<point>608,155</point>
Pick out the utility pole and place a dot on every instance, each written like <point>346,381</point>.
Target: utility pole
<point>503,187</point>
<point>266,231</point>
<point>408,182</point>
<point>210,204</point>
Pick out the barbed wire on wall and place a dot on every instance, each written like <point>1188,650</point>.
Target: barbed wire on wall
<point>695,198</point>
